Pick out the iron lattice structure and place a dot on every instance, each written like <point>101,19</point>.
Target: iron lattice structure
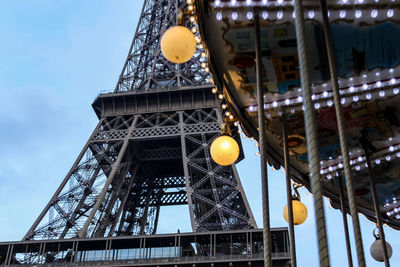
<point>150,149</point>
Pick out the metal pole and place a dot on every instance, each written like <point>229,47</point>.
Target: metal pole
<point>288,189</point>
<point>311,137</point>
<point>345,225</point>
<point>376,206</point>
<point>342,136</point>
<point>263,147</point>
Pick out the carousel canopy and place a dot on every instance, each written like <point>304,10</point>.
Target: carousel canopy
<point>366,39</point>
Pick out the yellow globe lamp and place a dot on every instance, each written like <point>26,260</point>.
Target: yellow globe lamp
<point>224,150</point>
<point>299,212</point>
<point>178,44</point>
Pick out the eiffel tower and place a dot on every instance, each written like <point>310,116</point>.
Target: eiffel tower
<point>150,149</point>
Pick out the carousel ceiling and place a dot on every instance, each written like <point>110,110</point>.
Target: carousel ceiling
<point>366,39</point>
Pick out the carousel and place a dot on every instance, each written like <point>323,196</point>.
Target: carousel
<point>317,84</point>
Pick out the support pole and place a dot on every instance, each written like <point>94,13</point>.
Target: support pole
<point>376,205</point>
<point>311,137</point>
<point>263,147</point>
<point>342,135</point>
<point>345,225</point>
<point>288,189</point>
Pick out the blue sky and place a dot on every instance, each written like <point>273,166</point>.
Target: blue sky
<point>57,56</point>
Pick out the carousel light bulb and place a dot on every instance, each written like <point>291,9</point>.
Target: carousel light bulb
<point>398,154</point>
<point>224,150</point>
<point>223,106</point>
<point>203,54</point>
<point>219,16</point>
<point>249,15</point>
<point>227,113</point>
<point>221,96</point>
<point>365,86</point>
<point>264,15</point>
<point>382,93</point>
<point>178,44</point>
<point>287,102</point>
<point>217,2</point>
<point>358,168</point>
<point>317,105</point>
<point>390,13</point>
<point>355,98</point>
<point>248,2</point>
<point>299,212</point>
<point>343,101</point>
<point>214,90</point>
<point>299,98</point>
<point>342,14</point>
<point>393,81</point>
<point>329,103</point>
<point>378,161</point>
<point>234,15</point>
<point>274,104</point>
<point>203,65</point>
<point>374,13</point>
<point>190,7</point>
<point>358,14</point>
<point>311,14</point>
<point>368,96</point>
<point>236,123</point>
<point>376,250</point>
<point>279,15</point>
<point>231,117</point>
<point>207,69</point>
<point>396,91</point>
<point>233,2</point>
<point>391,148</point>
<point>378,83</point>
<point>325,94</point>
<point>388,158</point>
<point>351,89</point>
<point>192,19</point>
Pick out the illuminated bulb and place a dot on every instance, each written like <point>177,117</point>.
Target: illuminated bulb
<point>378,83</point>
<point>317,105</point>
<point>264,15</point>
<point>329,103</point>
<point>227,113</point>
<point>223,106</point>
<point>382,93</point>
<point>358,14</point>
<point>233,2</point>
<point>398,154</point>
<point>178,44</point>
<point>358,168</point>
<point>342,14</point>
<point>325,94</point>
<point>355,98</point>
<point>374,13</point>
<point>368,96</point>
<point>396,91</point>
<point>214,90</point>
<point>343,101</point>
<point>207,69</point>
<point>201,46</point>
<point>224,150</point>
<point>203,54</point>
<point>221,96</point>
<point>299,212</point>
<point>299,99</point>
<point>388,158</point>
<point>203,65</point>
<point>274,104</point>
<point>279,15</point>
<point>190,7</point>
<point>391,148</point>
<point>257,154</point>
<point>351,89</point>
<point>217,2</point>
<point>311,14</point>
<point>231,117</point>
<point>248,2</point>
<point>365,86</point>
<point>287,102</point>
<point>390,13</point>
<point>393,81</point>
<point>234,15</point>
<point>249,15</point>
<point>219,16</point>
<point>378,161</point>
